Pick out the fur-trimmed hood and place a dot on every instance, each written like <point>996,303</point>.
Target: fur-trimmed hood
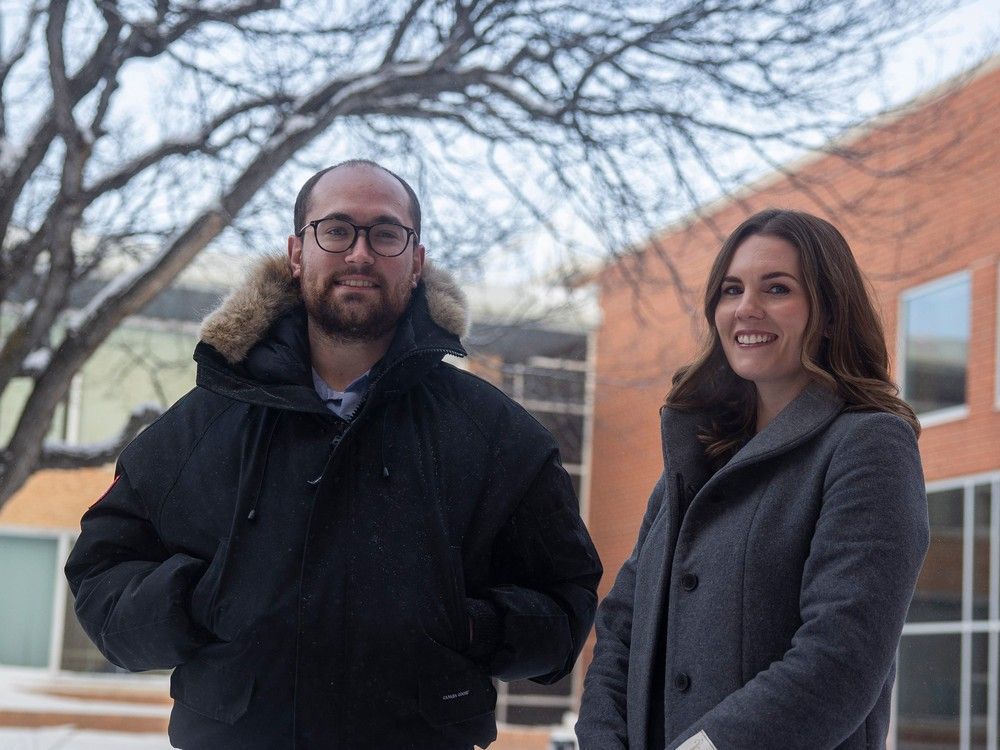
<point>269,292</point>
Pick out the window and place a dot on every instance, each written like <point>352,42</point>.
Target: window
<point>934,346</point>
<point>37,624</point>
<point>27,590</point>
<point>948,678</point>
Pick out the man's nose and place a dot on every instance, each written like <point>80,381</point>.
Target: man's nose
<point>361,251</point>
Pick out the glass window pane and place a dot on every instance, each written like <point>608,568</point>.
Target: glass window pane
<point>979,691</point>
<point>564,386</point>
<point>939,588</point>
<point>535,715</point>
<point>527,687</point>
<point>936,346</point>
<point>567,429</point>
<point>981,553</point>
<point>575,479</point>
<point>927,684</point>
<point>27,590</point>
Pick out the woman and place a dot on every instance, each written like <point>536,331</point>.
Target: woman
<point>763,603</point>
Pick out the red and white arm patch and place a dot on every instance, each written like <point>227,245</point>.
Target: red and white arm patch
<point>106,492</point>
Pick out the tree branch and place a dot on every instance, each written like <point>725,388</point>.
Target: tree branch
<point>57,455</point>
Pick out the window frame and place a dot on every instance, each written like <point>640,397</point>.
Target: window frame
<point>63,541</point>
<point>967,626</point>
<point>948,413</point>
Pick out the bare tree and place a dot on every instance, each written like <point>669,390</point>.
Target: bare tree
<point>161,124</point>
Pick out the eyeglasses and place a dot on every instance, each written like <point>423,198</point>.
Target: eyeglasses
<point>387,239</point>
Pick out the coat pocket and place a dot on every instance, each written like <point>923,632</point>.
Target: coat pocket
<point>204,609</point>
<point>441,612</point>
<point>214,683</point>
<point>457,615</point>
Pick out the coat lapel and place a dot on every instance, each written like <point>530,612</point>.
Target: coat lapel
<point>808,414</point>
<point>683,453</point>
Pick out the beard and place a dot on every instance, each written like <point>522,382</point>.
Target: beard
<point>355,316</point>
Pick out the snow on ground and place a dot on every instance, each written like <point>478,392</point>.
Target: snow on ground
<point>70,738</point>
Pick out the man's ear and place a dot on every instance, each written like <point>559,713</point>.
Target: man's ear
<point>295,255</point>
<point>418,265</point>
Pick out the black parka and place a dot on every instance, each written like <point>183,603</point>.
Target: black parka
<point>313,580</point>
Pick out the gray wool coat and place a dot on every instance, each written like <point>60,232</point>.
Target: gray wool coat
<point>780,598</point>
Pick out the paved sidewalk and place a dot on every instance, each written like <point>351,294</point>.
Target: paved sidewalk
<point>36,699</point>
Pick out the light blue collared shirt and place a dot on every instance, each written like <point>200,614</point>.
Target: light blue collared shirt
<point>342,403</point>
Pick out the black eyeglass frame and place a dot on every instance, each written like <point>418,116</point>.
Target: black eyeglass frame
<point>411,234</point>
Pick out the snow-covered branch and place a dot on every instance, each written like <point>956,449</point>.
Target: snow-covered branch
<point>57,455</point>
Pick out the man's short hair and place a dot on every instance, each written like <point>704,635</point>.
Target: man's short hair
<point>305,192</point>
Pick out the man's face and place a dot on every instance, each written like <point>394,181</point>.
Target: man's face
<point>356,295</point>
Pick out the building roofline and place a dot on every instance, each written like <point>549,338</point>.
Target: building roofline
<point>881,120</point>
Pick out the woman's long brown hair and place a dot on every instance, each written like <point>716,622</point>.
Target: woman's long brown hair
<point>843,329</point>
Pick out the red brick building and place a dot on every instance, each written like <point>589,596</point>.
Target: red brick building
<point>918,203</point>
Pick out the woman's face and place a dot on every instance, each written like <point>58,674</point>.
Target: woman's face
<point>761,317</point>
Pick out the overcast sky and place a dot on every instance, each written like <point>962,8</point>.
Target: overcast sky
<point>955,43</point>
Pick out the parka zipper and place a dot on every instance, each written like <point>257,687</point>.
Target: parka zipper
<point>335,444</point>
<point>338,440</point>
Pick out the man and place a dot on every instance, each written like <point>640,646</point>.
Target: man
<point>336,538</point>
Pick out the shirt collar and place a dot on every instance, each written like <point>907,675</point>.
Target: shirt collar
<point>342,403</point>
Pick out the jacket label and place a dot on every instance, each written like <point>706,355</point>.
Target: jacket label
<point>699,742</point>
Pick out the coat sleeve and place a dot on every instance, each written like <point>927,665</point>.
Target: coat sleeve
<point>858,579</point>
<point>131,593</point>
<point>603,720</point>
<point>534,618</point>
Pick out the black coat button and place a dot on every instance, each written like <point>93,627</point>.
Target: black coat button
<point>681,681</point>
<point>689,581</point>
